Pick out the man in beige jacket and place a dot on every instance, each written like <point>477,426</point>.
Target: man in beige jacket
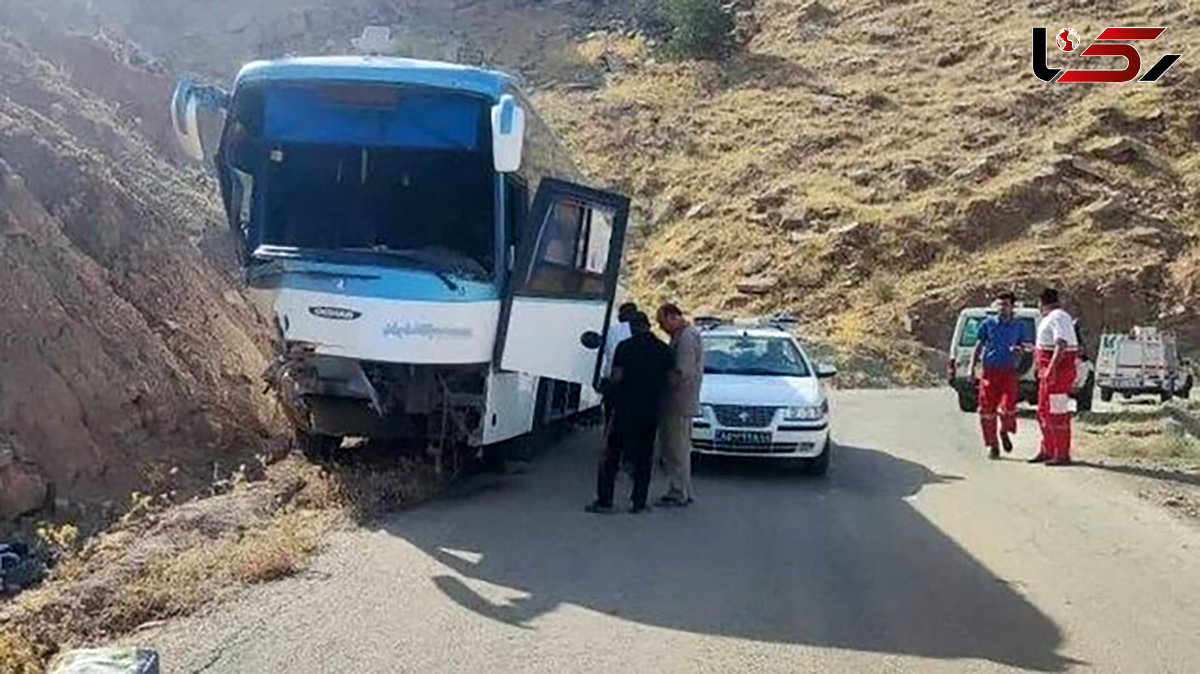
<point>680,405</point>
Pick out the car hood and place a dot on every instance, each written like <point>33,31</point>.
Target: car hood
<point>731,389</point>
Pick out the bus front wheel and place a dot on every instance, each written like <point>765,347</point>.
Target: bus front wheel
<point>315,446</point>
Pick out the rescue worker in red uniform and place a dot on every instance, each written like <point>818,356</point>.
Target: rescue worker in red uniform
<point>1057,356</point>
<point>1002,339</point>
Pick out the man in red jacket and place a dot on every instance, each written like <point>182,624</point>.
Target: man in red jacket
<point>1057,355</point>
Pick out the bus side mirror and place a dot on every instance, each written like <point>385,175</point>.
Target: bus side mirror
<point>508,134</point>
<point>188,101</point>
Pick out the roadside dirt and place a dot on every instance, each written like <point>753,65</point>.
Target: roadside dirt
<point>1156,446</point>
<point>163,560</point>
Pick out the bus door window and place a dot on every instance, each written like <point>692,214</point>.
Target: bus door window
<point>574,251</point>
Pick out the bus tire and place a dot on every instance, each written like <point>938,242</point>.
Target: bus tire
<point>1106,395</point>
<point>819,466</point>
<point>1165,396</point>
<point>316,447</point>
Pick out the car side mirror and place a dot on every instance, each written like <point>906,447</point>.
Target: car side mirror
<point>826,371</point>
<point>508,134</point>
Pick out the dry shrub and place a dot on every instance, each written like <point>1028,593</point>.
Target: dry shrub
<point>18,655</point>
<point>180,584</point>
<point>882,288</point>
<point>369,490</point>
<point>164,562</point>
<point>568,64</point>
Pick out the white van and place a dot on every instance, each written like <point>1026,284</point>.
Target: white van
<point>1143,361</point>
<point>966,336</point>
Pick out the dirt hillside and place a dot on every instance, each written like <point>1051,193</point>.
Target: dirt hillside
<point>866,167</point>
<point>128,357</point>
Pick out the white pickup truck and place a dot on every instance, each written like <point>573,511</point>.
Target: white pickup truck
<point>966,336</point>
<point>1142,361</point>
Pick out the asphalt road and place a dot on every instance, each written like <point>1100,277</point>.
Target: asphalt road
<point>916,554</point>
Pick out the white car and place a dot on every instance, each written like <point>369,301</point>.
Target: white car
<point>762,397</point>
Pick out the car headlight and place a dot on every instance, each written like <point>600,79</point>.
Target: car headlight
<point>704,412</point>
<point>806,412</point>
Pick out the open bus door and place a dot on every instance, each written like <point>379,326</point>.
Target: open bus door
<point>559,302</point>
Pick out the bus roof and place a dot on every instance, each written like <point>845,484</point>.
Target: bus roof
<point>376,69</point>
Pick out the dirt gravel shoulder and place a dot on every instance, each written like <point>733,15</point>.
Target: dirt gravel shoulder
<point>1154,447</point>
<point>162,561</point>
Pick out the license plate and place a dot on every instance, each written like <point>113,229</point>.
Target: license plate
<point>754,438</point>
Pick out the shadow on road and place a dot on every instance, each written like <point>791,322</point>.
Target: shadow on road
<point>844,562</point>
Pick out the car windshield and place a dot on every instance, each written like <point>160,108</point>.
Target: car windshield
<point>750,355</point>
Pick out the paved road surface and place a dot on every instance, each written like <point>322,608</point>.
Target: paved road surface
<point>915,555</point>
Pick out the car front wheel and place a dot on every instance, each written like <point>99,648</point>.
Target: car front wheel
<point>818,466</point>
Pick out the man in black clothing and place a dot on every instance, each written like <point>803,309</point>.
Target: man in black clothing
<point>639,378</point>
<point>619,333</point>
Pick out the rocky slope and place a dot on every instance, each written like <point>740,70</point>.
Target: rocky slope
<point>128,357</point>
<point>864,166</point>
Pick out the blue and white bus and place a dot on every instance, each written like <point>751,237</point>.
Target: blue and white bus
<point>434,265</point>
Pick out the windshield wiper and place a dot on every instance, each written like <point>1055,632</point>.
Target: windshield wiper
<point>445,277</point>
<point>766,372</point>
<point>420,261</point>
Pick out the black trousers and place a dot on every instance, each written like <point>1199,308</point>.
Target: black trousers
<point>631,439</point>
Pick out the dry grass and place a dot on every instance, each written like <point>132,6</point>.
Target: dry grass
<point>166,561</point>
<point>1152,432</point>
<point>178,584</point>
<point>19,656</point>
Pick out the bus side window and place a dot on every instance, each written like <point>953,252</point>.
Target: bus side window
<point>516,216</point>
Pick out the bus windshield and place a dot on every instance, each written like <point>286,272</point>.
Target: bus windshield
<point>398,174</point>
